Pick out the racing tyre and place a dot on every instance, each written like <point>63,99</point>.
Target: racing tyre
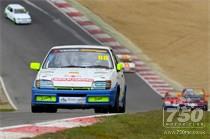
<point>116,107</point>
<point>101,110</point>
<point>205,107</point>
<point>51,110</point>
<point>36,109</point>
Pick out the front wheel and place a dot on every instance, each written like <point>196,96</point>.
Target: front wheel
<point>51,110</point>
<point>205,107</point>
<point>36,109</point>
<point>101,110</point>
<point>40,109</point>
<point>116,107</point>
<point>14,20</point>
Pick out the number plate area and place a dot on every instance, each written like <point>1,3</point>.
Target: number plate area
<point>72,100</point>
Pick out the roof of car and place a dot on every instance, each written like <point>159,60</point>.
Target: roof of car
<point>82,46</point>
<point>16,6</point>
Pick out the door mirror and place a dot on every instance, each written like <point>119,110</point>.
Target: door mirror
<point>35,66</point>
<point>119,66</point>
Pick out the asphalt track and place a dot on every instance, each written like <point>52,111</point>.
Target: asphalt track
<point>21,44</point>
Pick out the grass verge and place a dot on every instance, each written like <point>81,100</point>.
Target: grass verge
<point>144,125</point>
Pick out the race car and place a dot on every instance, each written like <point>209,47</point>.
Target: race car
<point>172,100</point>
<point>195,98</point>
<point>79,76</point>
<point>18,14</point>
<point>127,61</point>
<point>189,98</point>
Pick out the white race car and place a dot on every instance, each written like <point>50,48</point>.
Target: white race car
<point>79,77</point>
<point>17,14</point>
<point>127,61</point>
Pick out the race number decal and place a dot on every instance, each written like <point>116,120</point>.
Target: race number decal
<point>103,57</point>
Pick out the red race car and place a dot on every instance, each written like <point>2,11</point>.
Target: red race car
<point>172,100</point>
<point>195,98</point>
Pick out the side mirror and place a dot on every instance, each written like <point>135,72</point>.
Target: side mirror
<point>119,66</point>
<point>35,66</point>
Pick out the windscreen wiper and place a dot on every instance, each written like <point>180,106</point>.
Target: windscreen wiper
<point>73,66</point>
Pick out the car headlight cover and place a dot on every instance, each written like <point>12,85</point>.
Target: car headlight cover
<point>44,84</point>
<point>101,85</point>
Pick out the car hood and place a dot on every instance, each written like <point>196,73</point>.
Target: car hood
<point>75,77</point>
<point>22,16</point>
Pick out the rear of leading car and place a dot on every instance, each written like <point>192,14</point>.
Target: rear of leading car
<point>22,16</point>
<point>18,14</point>
<point>79,78</point>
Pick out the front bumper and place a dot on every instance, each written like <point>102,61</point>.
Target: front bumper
<point>74,93</point>
<point>170,106</point>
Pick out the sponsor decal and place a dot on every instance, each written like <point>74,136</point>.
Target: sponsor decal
<point>73,79</point>
<point>72,74</point>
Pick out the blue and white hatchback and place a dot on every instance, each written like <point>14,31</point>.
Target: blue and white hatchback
<point>79,77</point>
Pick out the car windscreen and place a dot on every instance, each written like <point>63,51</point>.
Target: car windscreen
<point>193,93</point>
<point>20,11</point>
<point>194,96</point>
<point>78,58</point>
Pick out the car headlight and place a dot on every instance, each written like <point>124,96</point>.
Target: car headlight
<point>101,85</point>
<point>44,84</point>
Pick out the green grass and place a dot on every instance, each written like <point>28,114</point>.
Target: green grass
<point>146,125</point>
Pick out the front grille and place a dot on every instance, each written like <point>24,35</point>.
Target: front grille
<point>72,88</point>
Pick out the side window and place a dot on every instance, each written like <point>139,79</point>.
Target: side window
<point>10,9</point>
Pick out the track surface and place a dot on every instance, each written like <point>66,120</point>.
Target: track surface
<point>21,44</point>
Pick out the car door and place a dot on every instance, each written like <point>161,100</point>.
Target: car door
<point>120,76</point>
